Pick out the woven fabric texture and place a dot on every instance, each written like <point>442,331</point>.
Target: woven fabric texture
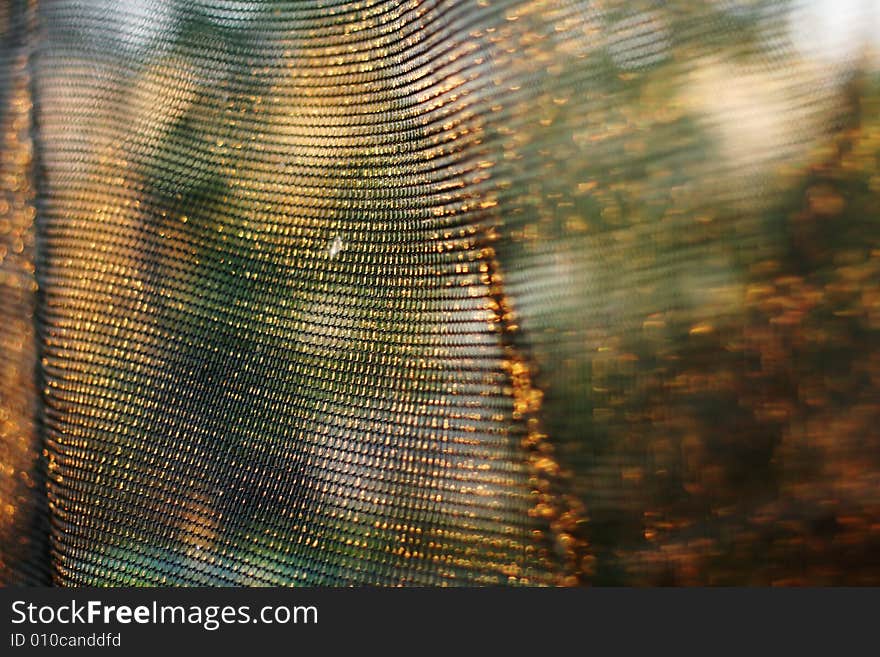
<point>439,292</point>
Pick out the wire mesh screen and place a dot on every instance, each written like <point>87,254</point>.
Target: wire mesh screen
<point>439,292</point>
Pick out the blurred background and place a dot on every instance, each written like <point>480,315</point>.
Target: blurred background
<point>440,292</point>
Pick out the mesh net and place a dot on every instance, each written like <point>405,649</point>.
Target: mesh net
<point>428,293</point>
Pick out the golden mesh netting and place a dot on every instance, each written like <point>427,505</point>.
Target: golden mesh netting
<point>439,292</point>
